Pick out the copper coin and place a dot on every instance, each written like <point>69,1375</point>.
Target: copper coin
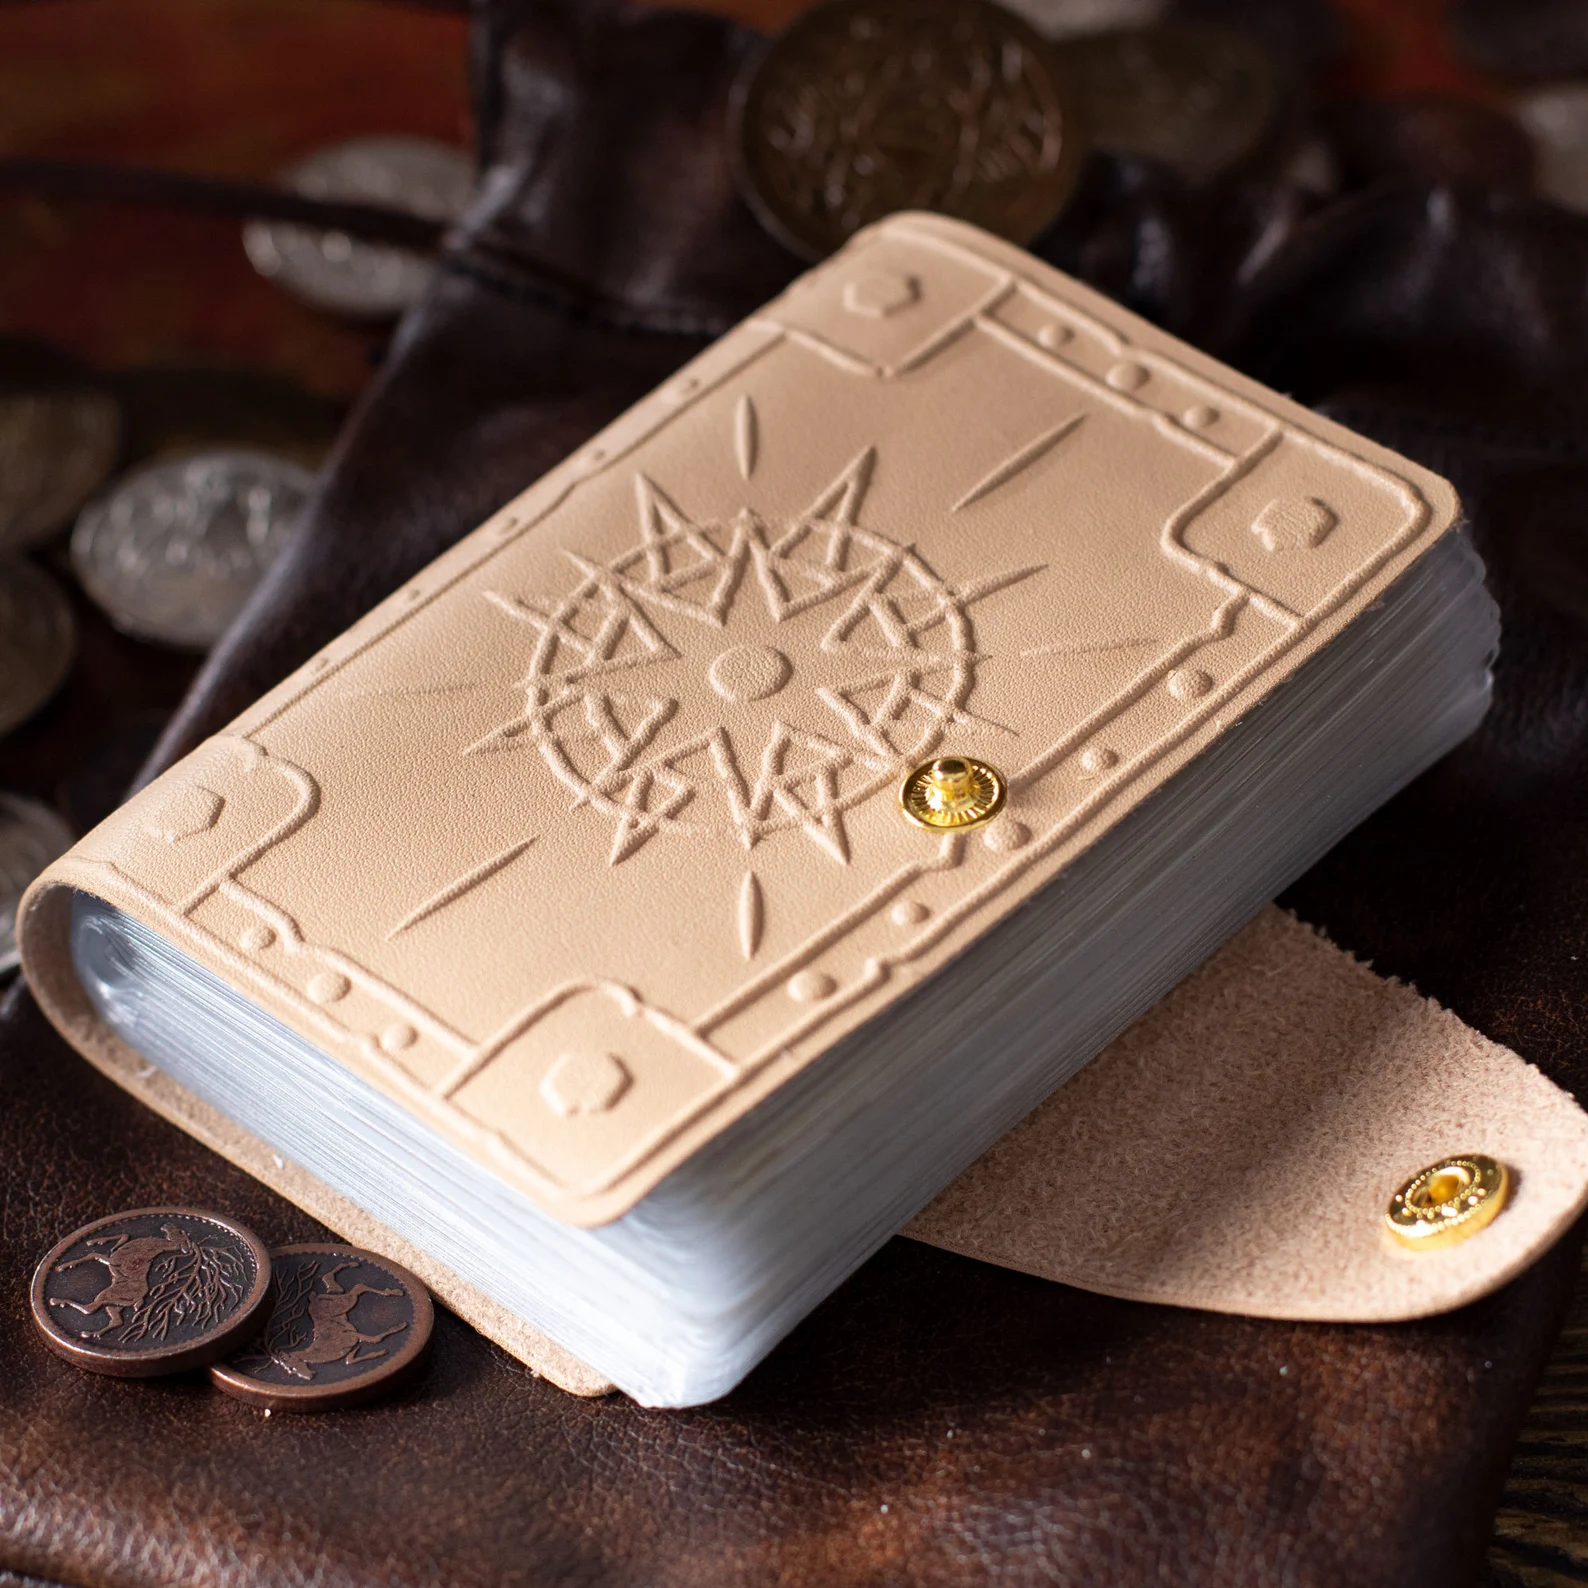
<point>865,107</point>
<point>1202,99</point>
<point>153,1291</point>
<point>344,1326</point>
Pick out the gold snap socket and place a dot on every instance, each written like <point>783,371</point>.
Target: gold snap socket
<point>1448,1201</point>
<point>952,792</point>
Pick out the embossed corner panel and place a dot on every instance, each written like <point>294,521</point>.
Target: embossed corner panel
<point>589,838</point>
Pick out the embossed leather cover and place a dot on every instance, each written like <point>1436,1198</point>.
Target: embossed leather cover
<point>937,1421</point>
<point>587,838</point>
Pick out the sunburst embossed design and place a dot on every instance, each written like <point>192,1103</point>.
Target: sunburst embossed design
<point>613,698</point>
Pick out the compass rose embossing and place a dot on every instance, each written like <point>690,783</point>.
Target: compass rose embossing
<point>677,689</point>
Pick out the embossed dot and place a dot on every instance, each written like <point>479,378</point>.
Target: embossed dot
<point>1097,758</point>
<point>1006,836</point>
<point>749,672</point>
<point>398,1038</point>
<point>319,664</point>
<point>413,592</point>
<point>254,938</point>
<point>1189,683</point>
<point>875,294</point>
<point>1294,524</point>
<point>326,986</point>
<point>1201,417</point>
<point>908,912</point>
<point>585,1083</point>
<point>185,815</point>
<point>811,986</point>
<point>1127,377</point>
<point>596,455</point>
<point>1054,334</point>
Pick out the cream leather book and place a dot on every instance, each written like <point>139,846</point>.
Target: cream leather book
<point>565,918</point>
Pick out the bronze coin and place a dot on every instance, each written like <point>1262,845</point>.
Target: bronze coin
<point>153,1291</point>
<point>864,107</point>
<point>344,1326</point>
<point>1202,99</point>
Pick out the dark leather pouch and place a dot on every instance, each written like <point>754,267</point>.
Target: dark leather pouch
<point>936,1420</point>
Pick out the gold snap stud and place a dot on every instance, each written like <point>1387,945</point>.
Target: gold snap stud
<point>952,792</point>
<point>1448,1201</point>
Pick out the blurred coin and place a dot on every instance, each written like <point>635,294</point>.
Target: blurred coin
<point>1068,19</point>
<point>864,107</point>
<point>158,1290</point>
<point>60,431</point>
<point>1201,99</point>
<point>55,450</point>
<point>31,836</point>
<point>173,551</point>
<point>344,1326</point>
<point>1556,119</point>
<point>330,270</point>
<point>38,638</point>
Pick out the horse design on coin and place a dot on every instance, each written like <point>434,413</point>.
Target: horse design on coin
<point>335,1337</point>
<point>128,1262</point>
<point>344,1327</point>
<point>156,1290</point>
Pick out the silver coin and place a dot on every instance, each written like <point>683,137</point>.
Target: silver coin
<point>38,638</point>
<point>1556,119</point>
<point>56,449</point>
<point>173,551</point>
<point>1200,98</point>
<point>31,836</point>
<point>330,270</point>
<point>1072,19</point>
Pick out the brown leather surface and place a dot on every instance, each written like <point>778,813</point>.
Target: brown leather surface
<point>1006,1423</point>
<point>936,1421</point>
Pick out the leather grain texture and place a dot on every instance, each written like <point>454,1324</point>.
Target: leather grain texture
<point>935,499</point>
<point>1010,1426</point>
<point>1237,1147</point>
<point>1007,1424</point>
